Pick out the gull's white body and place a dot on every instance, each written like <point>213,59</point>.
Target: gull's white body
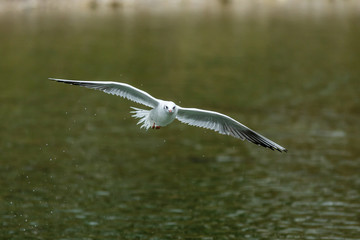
<point>162,113</point>
<point>161,117</point>
<point>156,117</point>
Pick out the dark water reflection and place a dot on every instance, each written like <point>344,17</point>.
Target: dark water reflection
<point>76,166</point>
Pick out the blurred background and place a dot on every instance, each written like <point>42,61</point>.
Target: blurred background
<point>74,164</point>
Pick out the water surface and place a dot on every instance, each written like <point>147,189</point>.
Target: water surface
<point>74,165</point>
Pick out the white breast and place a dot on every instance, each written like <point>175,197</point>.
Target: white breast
<point>161,117</point>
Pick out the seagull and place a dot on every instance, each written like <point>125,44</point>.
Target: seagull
<point>162,113</point>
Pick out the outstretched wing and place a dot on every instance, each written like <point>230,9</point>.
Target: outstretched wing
<point>224,125</point>
<point>115,88</point>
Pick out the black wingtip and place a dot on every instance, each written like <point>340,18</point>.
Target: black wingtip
<point>56,80</point>
<point>262,141</point>
<point>282,150</point>
<point>65,81</point>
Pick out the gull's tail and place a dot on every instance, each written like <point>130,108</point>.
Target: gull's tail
<point>144,116</point>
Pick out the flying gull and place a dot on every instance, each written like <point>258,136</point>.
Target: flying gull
<point>164,112</point>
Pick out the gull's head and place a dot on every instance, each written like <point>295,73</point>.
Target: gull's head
<point>170,107</point>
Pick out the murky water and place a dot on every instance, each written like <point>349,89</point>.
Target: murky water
<point>74,165</point>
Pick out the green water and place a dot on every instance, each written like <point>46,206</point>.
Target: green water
<point>74,164</point>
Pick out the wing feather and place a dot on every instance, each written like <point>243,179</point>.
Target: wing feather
<point>224,125</point>
<point>115,88</point>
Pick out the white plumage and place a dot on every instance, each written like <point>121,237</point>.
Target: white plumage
<point>163,113</point>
